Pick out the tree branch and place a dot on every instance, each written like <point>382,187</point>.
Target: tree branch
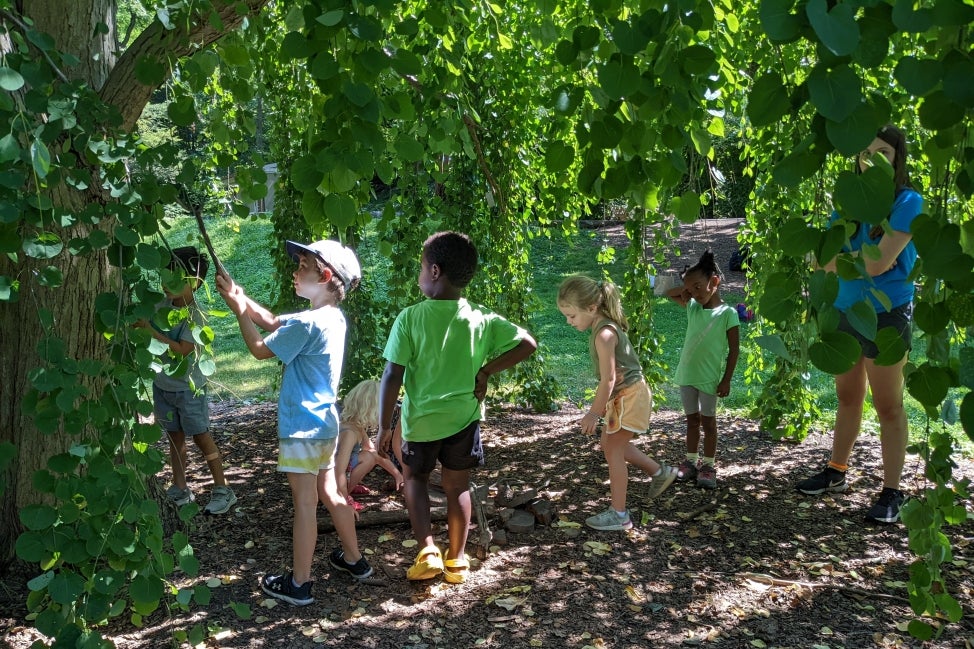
<point>123,91</point>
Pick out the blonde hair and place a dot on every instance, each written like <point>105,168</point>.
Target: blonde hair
<point>361,405</point>
<point>581,292</point>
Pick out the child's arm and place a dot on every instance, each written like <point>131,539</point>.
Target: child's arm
<point>388,396</point>
<point>240,304</point>
<point>343,455</point>
<point>605,347</point>
<point>508,359</point>
<point>679,294</point>
<point>181,347</point>
<point>733,351</point>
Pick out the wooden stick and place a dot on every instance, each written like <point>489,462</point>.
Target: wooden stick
<point>774,581</point>
<point>197,211</point>
<point>374,519</point>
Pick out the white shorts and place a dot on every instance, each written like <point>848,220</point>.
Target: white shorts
<point>306,455</point>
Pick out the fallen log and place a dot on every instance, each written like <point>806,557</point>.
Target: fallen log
<point>377,518</point>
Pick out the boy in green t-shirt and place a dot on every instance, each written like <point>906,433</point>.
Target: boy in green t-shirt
<point>443,350</point>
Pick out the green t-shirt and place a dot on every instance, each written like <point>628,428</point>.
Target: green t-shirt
<point>443,344</point>
<point>705,348</point>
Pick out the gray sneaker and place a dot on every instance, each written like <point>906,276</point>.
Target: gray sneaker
<point>221,500</point>
<point>609,521</point>
<point>660,482</point>
<point>180,496</point>
<point>707,476</point>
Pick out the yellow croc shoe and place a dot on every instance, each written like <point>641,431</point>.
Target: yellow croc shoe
<point>455,570</point>
<point>428,564</point>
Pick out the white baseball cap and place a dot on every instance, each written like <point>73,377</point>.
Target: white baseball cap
<point>341,259</point>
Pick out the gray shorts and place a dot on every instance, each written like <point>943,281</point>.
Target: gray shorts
<point>184,411</point>
<point>900,319</point>
<point>695,401</point>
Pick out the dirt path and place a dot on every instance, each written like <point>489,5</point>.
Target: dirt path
<point>751,564</point>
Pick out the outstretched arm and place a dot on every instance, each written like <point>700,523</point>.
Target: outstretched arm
<point>240,304</point>
<point>508,359</point>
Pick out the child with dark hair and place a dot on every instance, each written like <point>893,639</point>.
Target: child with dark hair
<point>707,363</point>
<point>179,390</point>
<point>443,350</point>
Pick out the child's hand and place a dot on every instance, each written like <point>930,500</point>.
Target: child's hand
<point>480,385</point>
<point>234,296</point>
<point>589,423</point>
<point>142,323</point>
<point>383,442</point>
<point>723,388</point>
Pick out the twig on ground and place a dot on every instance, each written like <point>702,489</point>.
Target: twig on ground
<point>775,581</point>
<point>690,515</point>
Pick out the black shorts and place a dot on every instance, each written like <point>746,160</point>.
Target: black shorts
<point>458,452</point>
<point>900,319</point>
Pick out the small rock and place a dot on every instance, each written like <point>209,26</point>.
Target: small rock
<point>499,537</point>
<point>521,522</point>
<point>543,510</point>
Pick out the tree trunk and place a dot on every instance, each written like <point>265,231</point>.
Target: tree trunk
<point>74,27</point>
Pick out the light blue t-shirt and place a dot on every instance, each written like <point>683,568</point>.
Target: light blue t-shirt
<point>311,344</point>
<point>893,283</point>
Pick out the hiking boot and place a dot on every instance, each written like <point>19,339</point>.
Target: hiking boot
<point>609,521</point>
<point>282,587</point>
<point>707,476</point>
<point>686,471</point>
<point>659,483</point>
<point>221,500</point>
<point>180,496</point>
<point>886,509</point>
<point>360,569</point>
<point>827,481</point>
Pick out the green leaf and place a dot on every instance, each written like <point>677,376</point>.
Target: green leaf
<point>920,629</point>
<point>836,353</point>
<point>938,112</point>
<point>768,100</point>
<point>149,71</point>
<point>823,288</point>
<point>866,197</point>
<point>182,111</point>
<point>619,79</point>
<point>778,22</point>
<point>331,18</point>
<point>778,302</point>
<point>774,344</point>
<point>242,610</point>
<point>44,245</point>
<point>966,373</point>
<point>686,207</point>
<point>795,168</point>
<point>862,317</point>
<point>918,76</point>
<point>835,93</point>
<point>38,517</point>
<point>305,175</point>
<point>41,581</point>
<point>340,209</point>
<point>559,157</point>
<point>51,277</point>
<point>66,587</point>
<point>932,318</point>
<point>9,148</point>
<point>966,420</point>
<point>856,132</point>
<point>909,20</point>
<point>146,588</point>
<point>958,85</point>
<point>295,46</point>
<point>697,59</point>
<point>796,239</point>
<point>10,80</point>
<point>928,384</point>
<point>40,158</point>
<point>836,28</point>
<point>628,39</point>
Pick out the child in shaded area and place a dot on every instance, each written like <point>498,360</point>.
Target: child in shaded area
<point>707,363</point>
<point>311,344</point>
<point>356,455</point>
<point>622,397</point>
<point>443,350</point>
<point>179,397</point>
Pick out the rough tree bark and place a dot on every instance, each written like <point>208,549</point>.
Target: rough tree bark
<point>72,25</point>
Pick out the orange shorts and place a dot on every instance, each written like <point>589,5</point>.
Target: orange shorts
<point>630,408</point>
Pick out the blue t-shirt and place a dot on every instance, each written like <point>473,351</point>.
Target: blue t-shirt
<point>311,344</point>
<point>907,206</point>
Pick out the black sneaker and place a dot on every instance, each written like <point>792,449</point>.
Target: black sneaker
<point>360,569</point>
<point>282,587</point>
<point>829,480</point>
<point>887,508</point>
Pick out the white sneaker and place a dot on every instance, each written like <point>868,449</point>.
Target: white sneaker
<point>221,500</point>
<point>659,483</point>
<point>180,496</point>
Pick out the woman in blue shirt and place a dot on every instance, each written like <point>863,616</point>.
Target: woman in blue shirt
<point>888,274</point>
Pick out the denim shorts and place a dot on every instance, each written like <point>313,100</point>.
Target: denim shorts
<point>900,319</point>
<point>458,452</point>
<point>181,412</point>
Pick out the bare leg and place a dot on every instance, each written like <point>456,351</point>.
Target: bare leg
<point>456,486</point>
<point>342,514</point>
<point>709,426</point>
<point>366,462</point>
<point>693,432</point>
<point>178,457</point>
<point>850,388</point>
<point>304,493</point>
<point>614,448</point>
<point>886,385</point>
<point>391,469</point>
<point>416,491</point>
<point>214,460</point>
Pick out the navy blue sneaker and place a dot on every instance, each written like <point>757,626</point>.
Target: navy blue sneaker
<point>827,481</point>
<point>282,587</point>
<point>360,569</point>
<point>886,509</point>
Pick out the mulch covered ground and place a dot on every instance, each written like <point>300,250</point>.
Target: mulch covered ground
<point>750,564</point>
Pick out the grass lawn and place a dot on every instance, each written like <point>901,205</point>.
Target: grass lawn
<point>243,247</point>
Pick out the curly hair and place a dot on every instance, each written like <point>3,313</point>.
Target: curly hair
<point>455,254</point>
<point>707,266</point>
<point>361,405</point>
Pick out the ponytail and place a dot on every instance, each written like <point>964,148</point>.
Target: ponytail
<point>583,292</point>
